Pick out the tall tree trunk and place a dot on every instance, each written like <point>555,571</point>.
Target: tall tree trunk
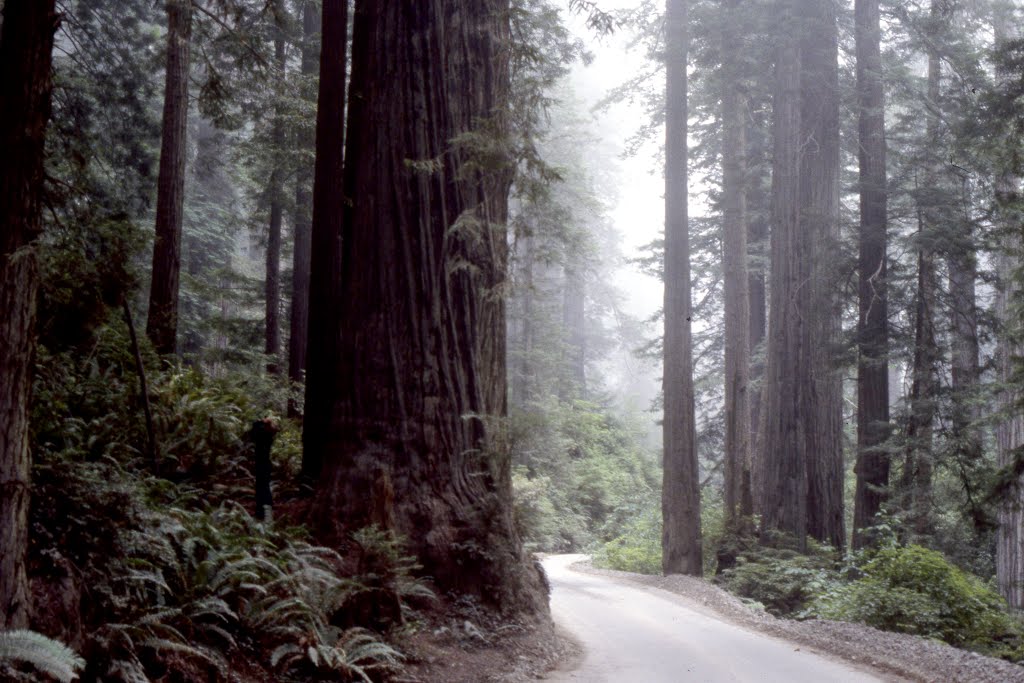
<point>758,209</point>
<point>26,45</point>
<point>416,440</point>
<point>680,497</point>
<point>574,381</point>
<point>301,252</point>
<point>918,469</point>
<point>784,456</point>
<point>873,426</point>
<point>324,327</point>
<point>162,323</point>
<point>819,223</point>
<point>272,289</point>
<point>738,502</point>
<point>1009,431</point>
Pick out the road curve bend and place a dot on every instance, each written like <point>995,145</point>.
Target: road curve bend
<point>641,634</point>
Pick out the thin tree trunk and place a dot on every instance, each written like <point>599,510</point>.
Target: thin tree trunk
<point>140,368</point>
<point>26,49</point>
<point>783,459</point>
<point>301,253</point>
<point>873,426</point>
<point>822,406</point>
<point>680,498</point>
<point>416,439</point>
<point>965,368</point>
<point>919,467</point>
<point>272,290</point>
<point>522,373</point>
<point>738,502</point>
<point>162,323</point>
<point>324,327</point>
<point>574,381</point>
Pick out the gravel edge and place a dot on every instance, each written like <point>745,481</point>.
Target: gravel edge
<point>896,656</point>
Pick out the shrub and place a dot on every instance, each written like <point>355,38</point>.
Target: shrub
<point>916,590</point>
<point>780,580</point>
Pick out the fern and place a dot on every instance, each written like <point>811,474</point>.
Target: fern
<point>47,655</point>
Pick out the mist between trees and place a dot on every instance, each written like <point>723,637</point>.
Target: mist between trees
<point>384,237</point>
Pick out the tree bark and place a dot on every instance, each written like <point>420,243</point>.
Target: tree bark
<point>26,49</point>
<point>822,406</point>
<point>784,454</point>
<point>738,502</point>
<point>162,323</point>
<point>873,427</point>
<point>680,498</point>
<point>298,336</point>
<point>1010,430</point>
<point>416,443</point>
<point>272,289</point>
<point>324,327</point>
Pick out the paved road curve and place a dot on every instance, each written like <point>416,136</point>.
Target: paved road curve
<point>640,634</point>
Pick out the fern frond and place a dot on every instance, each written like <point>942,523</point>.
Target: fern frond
<point>47,655</point>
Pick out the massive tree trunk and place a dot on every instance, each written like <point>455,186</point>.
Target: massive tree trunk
<point>1010,431</point>
<point>162,323</point>
<point>680,497</point>
<point>25,87</point>
<point>738,503</point>
<point>305,139</point>
<point>324,327</point>
<point>783,462</point>
<point>415,442</point>
<point>822,412</point>
<point>873,426</point>
<point>275,189</point>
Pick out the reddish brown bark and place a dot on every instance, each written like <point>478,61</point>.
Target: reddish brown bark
<point>301,250</point>
<point>680,497</point>
<point>414,442</point>
<point>325,256</point>
<point>162,323</point>
<point>25,89</point>
<point>873,426</point>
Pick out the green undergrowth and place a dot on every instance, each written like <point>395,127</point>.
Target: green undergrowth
<point>579,477</point>
<point>155,570</point>
<point>892,587</point>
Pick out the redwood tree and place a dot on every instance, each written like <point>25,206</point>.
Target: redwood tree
<point>680,497</point>
<point>822,402</point>
<point>162,324</point>
<point>738,501</point>
<point>272,282</point>
<point>25,88</point>
<point>783,463</point>
<point>873,328</point>
<point>325,249</point>
<point>303,219</point>
<point>414,441</point>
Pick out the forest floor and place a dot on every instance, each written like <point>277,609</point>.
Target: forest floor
<point>467,651</point>
<point>895,656</point>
